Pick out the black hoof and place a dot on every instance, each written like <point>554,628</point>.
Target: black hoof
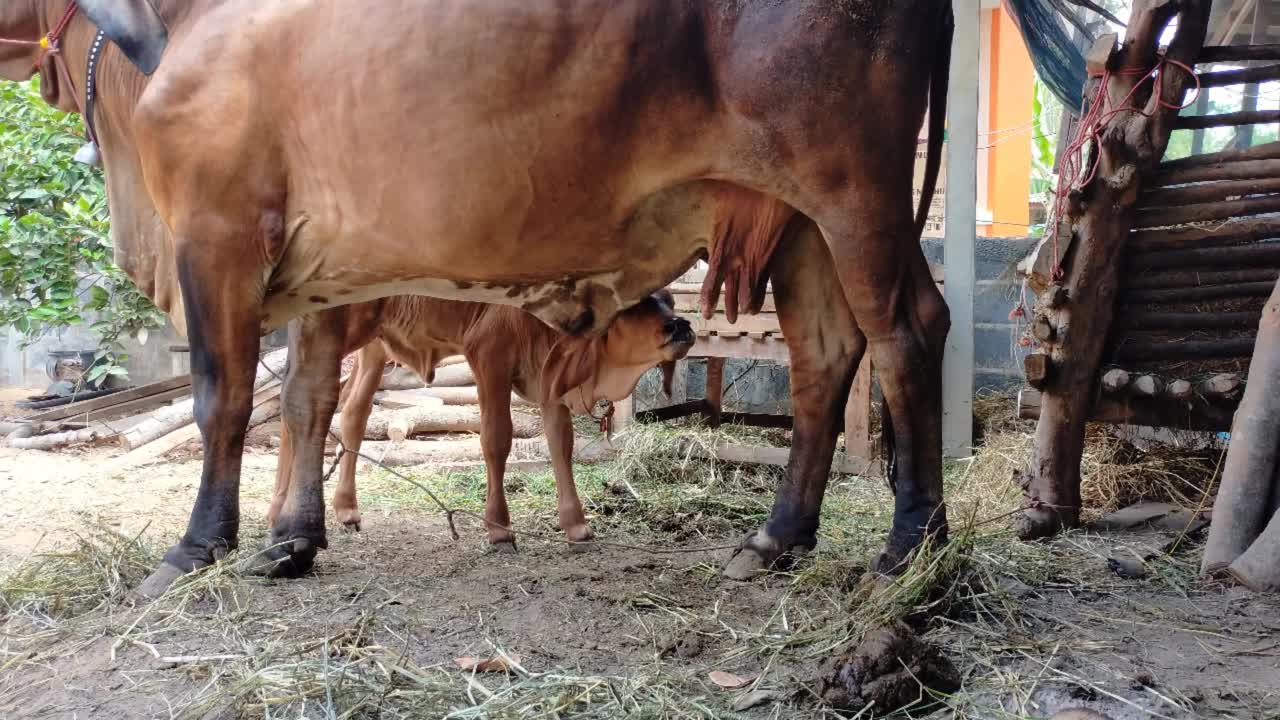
<point>286,558</point>
<point>759,554</point>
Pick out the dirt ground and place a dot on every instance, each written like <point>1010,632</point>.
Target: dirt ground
<point>376,630</point>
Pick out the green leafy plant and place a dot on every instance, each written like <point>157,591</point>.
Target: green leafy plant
<point>55,250</point>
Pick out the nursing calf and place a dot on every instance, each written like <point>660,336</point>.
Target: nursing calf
<point>508,350</point>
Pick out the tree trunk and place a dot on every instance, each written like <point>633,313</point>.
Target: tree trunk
<point>468,395</point>
<point>412,421</point>
<point>1100,216</point>
<point>1251,458</point>
<point>459,375</point>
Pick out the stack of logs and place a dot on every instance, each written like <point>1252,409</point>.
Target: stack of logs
<point>1197,268</point>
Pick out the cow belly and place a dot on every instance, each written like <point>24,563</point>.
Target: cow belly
<point>655,243</point>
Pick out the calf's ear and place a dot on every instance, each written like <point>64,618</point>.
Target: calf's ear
<point>571,362</point>
<point>135,26</point>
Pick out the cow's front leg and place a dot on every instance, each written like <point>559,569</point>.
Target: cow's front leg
<point>309,399</point>
<point>825,348</point>
<point>223,325</point>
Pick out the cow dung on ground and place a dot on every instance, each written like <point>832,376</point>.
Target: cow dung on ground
<point>887,668</point>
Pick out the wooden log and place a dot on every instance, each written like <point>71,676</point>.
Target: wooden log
<point>182,413</point>
<point>1132,144</point>
<point>1237,53</point>
<point>468,450</point>
<point>1038,370</point>
<point>450,419</point>
<point>1256,255</point>
<point>1180,390</point>
<point>400,378</point>
<point>1223,78</point>
<point>1197,294</point>
<point>266,405</point>
<point>399,399</point>
<point>1164,197</point>
<point>1142,320</point>
<point>1195,278</point>
<point>1162,411</point>
<point>1265,151</point>
<point>468,396</point>
<point>1243,117</point>
<point>51,441</point>
<point>452,360</point>
<point>454,376</point>
<point>39,428</point>
<point>1239,512</point>
<point>1236,232</point>
<point>1149,217</point>
<point>1042,329</point>
<point>1224,386</point>
<point>1115,381</point>
<point>1147,386</point>
<point>1242,170</point>
<point>181,382</point>
<point>1147,351</point>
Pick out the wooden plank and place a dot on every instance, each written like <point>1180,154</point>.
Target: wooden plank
<point>778,457</point>
<point>1159,411</point>
<point>690,302</point>
<point>671,412</point>
<point>857,413</point>
<point>719,324</point>
<point>1244,117</point>
<point>770,348</point>
<point>1236,53</point>
<point>142,391</point>
<point>1264,73</point>
<point>134,407</point>
<point>715,390</point>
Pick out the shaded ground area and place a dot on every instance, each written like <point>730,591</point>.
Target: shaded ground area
<point>607,633</point>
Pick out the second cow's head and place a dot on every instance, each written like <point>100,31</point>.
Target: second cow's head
<point>583,370</point>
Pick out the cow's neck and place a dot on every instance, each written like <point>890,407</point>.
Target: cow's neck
<point>147,255</point>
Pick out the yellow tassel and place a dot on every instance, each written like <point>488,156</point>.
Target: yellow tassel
<point>44,42</point>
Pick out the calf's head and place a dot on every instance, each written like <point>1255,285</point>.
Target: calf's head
<point>582,370</point>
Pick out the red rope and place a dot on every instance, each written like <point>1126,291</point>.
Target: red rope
<point>1091,129</point>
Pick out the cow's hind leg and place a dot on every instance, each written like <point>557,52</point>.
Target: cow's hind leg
<point>825,347</point>
<point>310,397</point>
<point>889,287</point>
<point>223,325</point>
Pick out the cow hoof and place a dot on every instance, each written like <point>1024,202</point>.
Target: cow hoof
<point>1034,524</point>
<point>159,581</point>
<point>287,559</point>
<point>503,547</point>
<point>759,554</point>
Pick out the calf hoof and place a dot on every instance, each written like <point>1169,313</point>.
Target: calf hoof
<point>759,553</point>
<point>580,537</point>
<point>349,519</point>
<point>286,559</point>
<point>503,547</point>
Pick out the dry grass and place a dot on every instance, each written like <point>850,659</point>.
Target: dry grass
<point>319,649</point>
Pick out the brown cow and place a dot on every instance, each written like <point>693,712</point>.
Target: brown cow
<point>507,349</point>
<point>565,156</point>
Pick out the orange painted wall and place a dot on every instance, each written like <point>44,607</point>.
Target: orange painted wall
<point>1012,87</point>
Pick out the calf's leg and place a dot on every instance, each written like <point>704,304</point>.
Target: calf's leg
<point>355,418</point>
<point>284,463</point>
<point>310,397</point>
<point>493,384</point>
<point>825,347</point>
<point>223,325</point>
<point>558,427</point>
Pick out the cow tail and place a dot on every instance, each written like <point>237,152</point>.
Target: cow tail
<point>938,79</point>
